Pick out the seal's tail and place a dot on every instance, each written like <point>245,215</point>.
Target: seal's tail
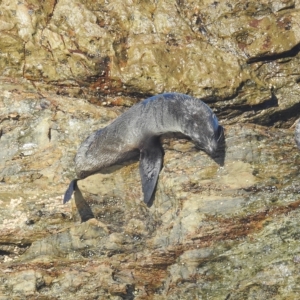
<point>72,187</point>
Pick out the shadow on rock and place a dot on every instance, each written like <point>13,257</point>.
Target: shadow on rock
<point>82,206</point>
<point>220,154</point>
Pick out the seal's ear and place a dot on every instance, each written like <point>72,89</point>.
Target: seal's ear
<point>151,158</point>
<point>72,187</point>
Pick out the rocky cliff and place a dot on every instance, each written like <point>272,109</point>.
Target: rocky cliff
<point>71,67</point>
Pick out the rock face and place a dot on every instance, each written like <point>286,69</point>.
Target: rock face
<point>242,56</point>
<point>71,67</point>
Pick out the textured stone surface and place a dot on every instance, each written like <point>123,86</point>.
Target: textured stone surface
<point>71,67</point>
<point>211,232</point>
<point>242,55</point>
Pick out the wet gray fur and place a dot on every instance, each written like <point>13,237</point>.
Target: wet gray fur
<point>297,134</point>
<point>137,131</point>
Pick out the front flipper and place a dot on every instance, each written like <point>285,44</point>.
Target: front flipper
<point>72,187</point>
<point>150,165</point>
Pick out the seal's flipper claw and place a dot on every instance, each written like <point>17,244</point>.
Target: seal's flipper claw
<point>151,159</point>
<point>70,190</point>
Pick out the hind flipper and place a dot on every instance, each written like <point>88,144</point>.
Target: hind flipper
<point>151,159</point>
<point>70,190</point>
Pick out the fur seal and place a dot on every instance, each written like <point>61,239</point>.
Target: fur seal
<point>137,131</point>
<point>297,134</point>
